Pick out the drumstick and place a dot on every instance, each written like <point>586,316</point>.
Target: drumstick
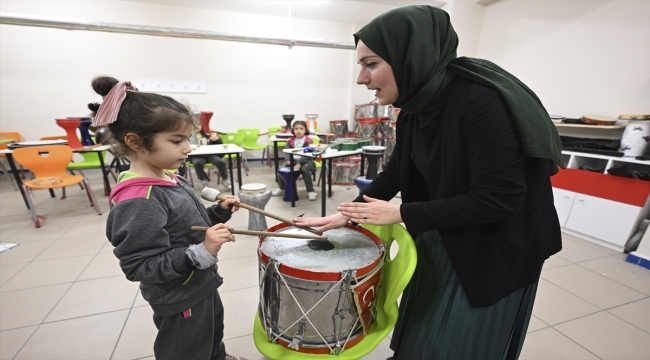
<point>211,194</point>
<point>265,233</point>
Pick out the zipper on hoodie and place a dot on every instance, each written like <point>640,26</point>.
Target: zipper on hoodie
<point>197,202</point>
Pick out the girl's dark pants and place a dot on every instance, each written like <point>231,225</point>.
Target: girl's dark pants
<point>198,336</point>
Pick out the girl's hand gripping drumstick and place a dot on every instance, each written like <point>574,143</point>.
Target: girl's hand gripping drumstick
<point>211,194</point>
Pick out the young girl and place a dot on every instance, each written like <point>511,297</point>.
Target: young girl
<point>152,211</point>
<point>304,163</point>
<point>199,161</point>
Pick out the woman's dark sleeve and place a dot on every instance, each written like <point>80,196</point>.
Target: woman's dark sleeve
<point>495,164</point>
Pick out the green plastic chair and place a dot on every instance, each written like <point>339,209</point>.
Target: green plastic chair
<point>396,275</point>
<point>251,135</point>
<point>235,139</point>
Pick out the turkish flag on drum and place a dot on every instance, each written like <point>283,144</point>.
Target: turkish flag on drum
<point>365,294</point>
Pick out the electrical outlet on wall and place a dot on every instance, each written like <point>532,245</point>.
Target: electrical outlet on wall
<point>171,86</point>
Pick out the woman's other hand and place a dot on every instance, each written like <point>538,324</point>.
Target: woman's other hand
<point>217,236</point>
<point>231,200</point>
<point>373,211</point>
<point>326,223</point>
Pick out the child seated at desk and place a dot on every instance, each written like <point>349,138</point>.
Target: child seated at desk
<point>300,139</point>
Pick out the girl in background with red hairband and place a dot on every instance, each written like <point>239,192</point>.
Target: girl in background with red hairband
<point>152,211</point>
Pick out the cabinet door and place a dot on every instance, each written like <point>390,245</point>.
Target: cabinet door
<point>607,220</point>
<point>563,200</point>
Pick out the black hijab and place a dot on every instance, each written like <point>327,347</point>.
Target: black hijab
<point>419,43</point>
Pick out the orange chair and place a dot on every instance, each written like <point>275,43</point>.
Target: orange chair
<point>50,172</point>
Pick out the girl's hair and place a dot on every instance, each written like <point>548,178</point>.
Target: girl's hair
<point>143,114</point>
<point>300,122</point>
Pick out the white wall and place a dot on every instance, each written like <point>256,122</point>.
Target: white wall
<point>579,56</point>
<point>467,19</point>
<point>46,73</point>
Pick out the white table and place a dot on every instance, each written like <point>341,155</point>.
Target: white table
<point>223,149</point>
<point>96,149</point>
<point>326,172</point>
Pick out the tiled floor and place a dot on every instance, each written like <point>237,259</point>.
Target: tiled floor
<point>63,295</point>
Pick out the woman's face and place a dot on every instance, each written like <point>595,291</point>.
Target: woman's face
<point>377,75</point>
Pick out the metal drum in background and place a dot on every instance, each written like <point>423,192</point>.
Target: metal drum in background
<point>339,128</point>
<point>373,154</point>
<point>367,128</point>
<point>344,172</point>
<point>256,195</point>
<point>319,297</point>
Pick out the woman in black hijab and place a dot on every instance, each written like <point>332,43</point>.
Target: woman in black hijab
<point>474,153</point>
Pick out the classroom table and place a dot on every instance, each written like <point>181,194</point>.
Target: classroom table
<point>223,149</point>
<point>326,171</point>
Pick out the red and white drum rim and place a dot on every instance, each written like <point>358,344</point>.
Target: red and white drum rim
<point>322,276</point>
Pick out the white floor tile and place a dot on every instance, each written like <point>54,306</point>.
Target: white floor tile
<point>30,306</point>
<point>553,305</point>
<point>138,336</point>
<point>48,272</point>
<point>608,337</point>
<point>591,287</point>
<point>547,344</point>
<point>86,338</point>
<point>90,297</point>
<point>636,313</point>
<point>13,340</point>
<point>631,275</point>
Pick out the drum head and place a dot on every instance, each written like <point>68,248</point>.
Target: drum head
<point>354,248</point>
<point>253,187</point>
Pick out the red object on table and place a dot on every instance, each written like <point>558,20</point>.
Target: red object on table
<point>70,126</point>
<point>205,121</point>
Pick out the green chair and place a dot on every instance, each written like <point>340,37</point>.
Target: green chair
<point>281,144</point>
<point>319,164</point>
<point>91,161</point>
<point>396,275</point>
<point>251,135</point>
<point>235,139</point>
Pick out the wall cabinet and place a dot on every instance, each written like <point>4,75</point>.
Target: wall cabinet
<point>597,206</point>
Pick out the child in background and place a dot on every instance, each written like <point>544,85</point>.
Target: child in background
<point>300,139</point>
<point>152,211</point>
<point>199,161</point>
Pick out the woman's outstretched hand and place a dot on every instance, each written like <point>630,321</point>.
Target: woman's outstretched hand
<point>373,211</point>
<point>326,223</point>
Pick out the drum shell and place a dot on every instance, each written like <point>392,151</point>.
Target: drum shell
<point>367,127</point>
<point>339,127</point>
<point>344,172</point>
<point>279,310</point>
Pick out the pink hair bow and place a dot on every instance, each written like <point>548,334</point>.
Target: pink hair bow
<point>109,109</point>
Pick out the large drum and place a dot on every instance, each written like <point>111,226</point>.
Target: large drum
<point>367,127</point>
<point>339,127</point>
<point>318,296</point>
<point>344,172</point>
